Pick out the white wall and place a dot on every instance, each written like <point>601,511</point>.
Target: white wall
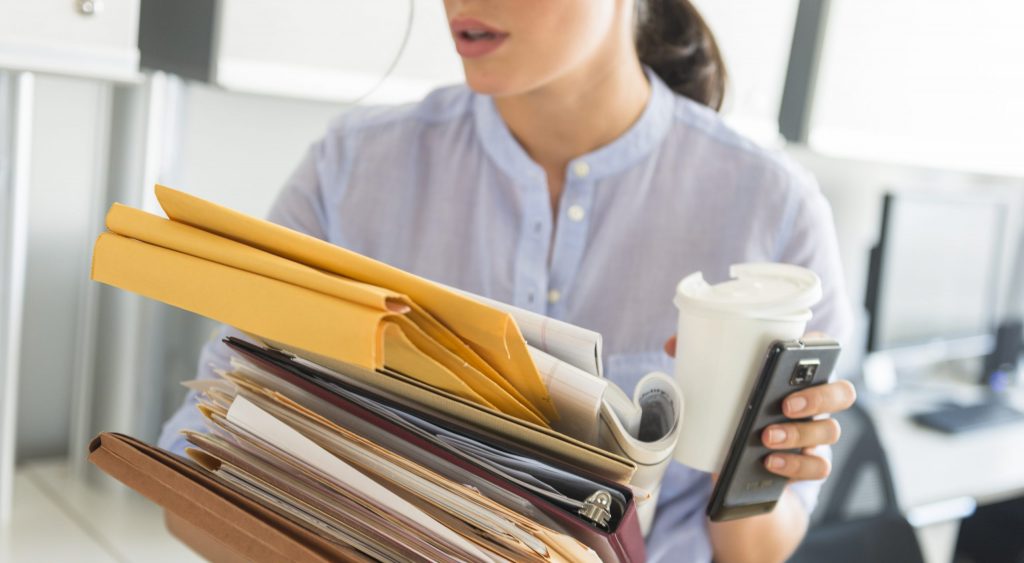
<point>239,149</point>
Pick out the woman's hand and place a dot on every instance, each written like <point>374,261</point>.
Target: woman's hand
<point>819,402</point>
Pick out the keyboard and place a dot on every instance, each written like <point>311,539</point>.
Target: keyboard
<point>954,419</point>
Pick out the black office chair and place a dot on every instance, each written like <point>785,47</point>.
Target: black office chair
<point>857,519</point>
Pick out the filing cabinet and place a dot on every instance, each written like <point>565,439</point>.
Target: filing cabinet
<point>91,38</point>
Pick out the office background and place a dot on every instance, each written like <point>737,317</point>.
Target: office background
<point>870,95</point>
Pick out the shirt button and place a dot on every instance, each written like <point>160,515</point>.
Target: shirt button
<point>576,213</point>
<point>581,169</point>
<point>553,296</point>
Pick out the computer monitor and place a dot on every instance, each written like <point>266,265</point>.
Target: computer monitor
<point>934,275</point>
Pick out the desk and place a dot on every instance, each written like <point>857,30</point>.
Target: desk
<point>57,517</point>
<point>932,470</point>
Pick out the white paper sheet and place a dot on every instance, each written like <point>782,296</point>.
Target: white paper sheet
<point>645,431</point>
<point>576,393</point>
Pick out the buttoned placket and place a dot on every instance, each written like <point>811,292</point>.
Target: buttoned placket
<point>569,241</point>
<point>539,286</point>
<point>534,245</point>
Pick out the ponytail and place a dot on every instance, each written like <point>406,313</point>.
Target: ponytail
<point>675,42</point>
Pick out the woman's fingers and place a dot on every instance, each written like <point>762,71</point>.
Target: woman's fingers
<point>799,467</point>
<point>820,399</point>
<point>801,434</point>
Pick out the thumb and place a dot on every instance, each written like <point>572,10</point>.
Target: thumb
<point>670,346</point>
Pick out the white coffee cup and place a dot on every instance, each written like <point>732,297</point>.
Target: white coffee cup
<point>724,333</point>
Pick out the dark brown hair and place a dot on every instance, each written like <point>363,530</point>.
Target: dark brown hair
<point>674,41</point>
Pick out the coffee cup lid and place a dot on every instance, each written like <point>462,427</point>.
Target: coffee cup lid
<point>760,289</point>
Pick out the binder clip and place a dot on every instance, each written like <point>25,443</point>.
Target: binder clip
<point>597,508</point>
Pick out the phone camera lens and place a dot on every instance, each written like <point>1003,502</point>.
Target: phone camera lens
<point>804,372</point>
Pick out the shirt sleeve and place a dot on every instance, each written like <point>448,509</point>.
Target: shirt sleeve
<point>811,243</point>
<point>299,206</point>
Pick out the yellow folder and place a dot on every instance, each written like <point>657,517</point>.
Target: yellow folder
<point>492,333</point>
<point>322,310</point>
<point>420,328</point>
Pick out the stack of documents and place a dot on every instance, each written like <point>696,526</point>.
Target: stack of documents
<point>373,415</point>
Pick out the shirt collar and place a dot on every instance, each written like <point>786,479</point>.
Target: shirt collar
<point>637,142</point>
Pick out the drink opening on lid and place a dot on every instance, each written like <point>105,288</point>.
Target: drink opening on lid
<point>759,289</point>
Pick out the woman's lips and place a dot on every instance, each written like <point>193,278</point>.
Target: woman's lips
<point>474,38</point>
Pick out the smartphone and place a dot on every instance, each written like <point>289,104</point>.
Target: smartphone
<point>745,487</point>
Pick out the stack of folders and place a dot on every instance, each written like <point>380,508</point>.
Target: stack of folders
<point>369,414</point>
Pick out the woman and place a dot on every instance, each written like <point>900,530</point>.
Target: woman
<point>581,174</point>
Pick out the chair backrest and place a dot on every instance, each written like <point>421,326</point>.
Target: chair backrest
<point>861,484</point>
<point>858,518</point>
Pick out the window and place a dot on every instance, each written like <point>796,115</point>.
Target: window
<point>754,37</point>
<point>932,82</point>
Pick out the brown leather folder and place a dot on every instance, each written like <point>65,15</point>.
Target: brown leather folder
<point>206,544</point>
<point>215,520</point>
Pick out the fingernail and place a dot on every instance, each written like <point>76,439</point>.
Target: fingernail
<point>776,462</point>
<point>776,435</point>
<point>796,404</point>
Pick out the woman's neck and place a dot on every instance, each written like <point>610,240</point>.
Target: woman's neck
<point>577,113</point>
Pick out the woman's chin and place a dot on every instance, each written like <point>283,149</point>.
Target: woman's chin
<point>488,84</point>
<point>496,81</point>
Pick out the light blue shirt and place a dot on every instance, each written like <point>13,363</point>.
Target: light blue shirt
<point>442,189</point>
